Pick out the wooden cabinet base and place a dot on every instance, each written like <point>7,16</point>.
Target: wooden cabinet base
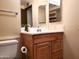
<point>43,46</point>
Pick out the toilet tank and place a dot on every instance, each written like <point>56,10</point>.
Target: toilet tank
<point>8,49</point>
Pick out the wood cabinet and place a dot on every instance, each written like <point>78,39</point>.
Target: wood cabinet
<point>57,55</point>
<point>42,51</point>
<point>43,46</point>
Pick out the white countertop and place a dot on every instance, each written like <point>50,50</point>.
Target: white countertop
<point>44,32</point>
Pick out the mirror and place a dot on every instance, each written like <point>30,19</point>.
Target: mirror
<point>26,16</point>
<point>29,15</point>
<point>41,12</point>
<point>54,11</point>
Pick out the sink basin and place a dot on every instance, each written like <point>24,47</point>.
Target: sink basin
<point>34,29</point>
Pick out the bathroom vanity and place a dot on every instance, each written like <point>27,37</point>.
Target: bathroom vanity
<point>43,45</point>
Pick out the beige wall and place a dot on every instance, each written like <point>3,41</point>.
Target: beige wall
<point>70,16</point>
<point>9,25</point>
<point>23,7</point>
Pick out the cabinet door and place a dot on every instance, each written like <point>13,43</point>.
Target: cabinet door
<point>57,55</point>
<point>57,45</point>
<point>42,51</point>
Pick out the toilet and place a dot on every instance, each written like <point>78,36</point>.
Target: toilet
<point>8,49</point>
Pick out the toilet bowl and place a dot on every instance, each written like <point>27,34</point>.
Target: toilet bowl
<point>8,49</point>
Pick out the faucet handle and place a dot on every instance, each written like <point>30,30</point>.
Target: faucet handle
<point>38,29</point>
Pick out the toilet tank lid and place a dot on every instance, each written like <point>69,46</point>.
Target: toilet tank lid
<point>6,42</point>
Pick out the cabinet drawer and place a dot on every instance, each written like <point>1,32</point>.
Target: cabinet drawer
<point>60,36</point>
<point>57,55</point>
<point>41,38</point>
<point>57,45</point>
<point>53,36</point>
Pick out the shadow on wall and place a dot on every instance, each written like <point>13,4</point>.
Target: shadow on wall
<point>68,52</point>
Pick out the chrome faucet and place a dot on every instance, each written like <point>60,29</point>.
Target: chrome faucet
<point>38,29</point>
